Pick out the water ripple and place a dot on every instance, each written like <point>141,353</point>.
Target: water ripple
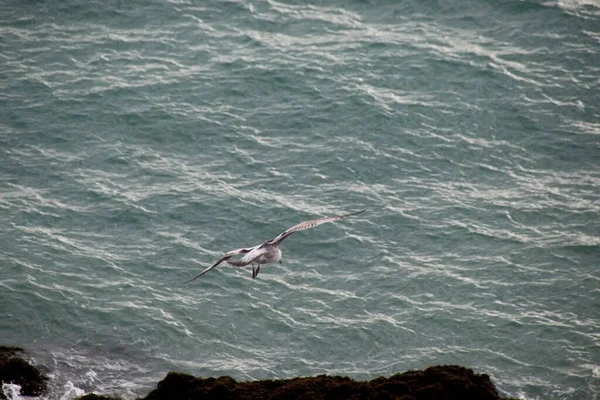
<point>141,142</point>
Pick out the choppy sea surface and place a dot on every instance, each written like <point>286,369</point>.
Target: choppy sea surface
<point>140,140</point>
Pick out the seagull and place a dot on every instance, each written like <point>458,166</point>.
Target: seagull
<point>268,252</point>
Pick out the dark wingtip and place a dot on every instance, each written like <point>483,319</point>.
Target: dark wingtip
<point>193,279</point>
<point>351,214</point>
<point>358,212</point>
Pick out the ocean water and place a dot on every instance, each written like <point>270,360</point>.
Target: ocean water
<point>140,140</point>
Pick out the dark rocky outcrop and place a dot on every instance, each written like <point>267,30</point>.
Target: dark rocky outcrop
<point>93,396</point>
<point>440,383</point>
<point>14,369</point>
<point>445,382</point>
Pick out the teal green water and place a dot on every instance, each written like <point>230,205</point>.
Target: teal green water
<point>140,140</point>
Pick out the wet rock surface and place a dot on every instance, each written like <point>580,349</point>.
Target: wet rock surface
<point>15,369</point>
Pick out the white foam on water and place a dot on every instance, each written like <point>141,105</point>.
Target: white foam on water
<point>12,391</point>
<point>71,391</point>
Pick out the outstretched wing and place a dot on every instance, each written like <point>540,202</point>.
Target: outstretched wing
<point>307,225</point>
<point>225,257</point>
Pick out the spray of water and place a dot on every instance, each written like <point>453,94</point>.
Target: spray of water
<point>11,391</point>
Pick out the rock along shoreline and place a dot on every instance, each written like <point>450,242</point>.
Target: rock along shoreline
<point>444,382</point>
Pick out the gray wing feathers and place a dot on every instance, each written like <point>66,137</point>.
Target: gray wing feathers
<point>225,257</point>
<point>307,225</point>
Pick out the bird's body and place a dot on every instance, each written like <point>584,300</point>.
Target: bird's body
<point>269,251</point>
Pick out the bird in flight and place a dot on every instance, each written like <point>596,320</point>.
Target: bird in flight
<point>268,252</point>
